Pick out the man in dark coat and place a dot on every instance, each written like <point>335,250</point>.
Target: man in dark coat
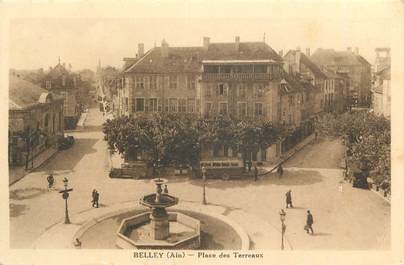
<point>280,170</point>
<point>51,180</point>
<point>249,165</point>
<point>289,199</point>
<point>255,173</point>
<point>309,223</point>
<point>96,199</point>
<point>95,195</point>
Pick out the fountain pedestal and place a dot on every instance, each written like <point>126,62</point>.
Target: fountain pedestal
<point>152,230</point>
<point>160,228</point>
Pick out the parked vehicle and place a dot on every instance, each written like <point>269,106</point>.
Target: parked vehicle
<point>66,142</point>
<point>224,169</point>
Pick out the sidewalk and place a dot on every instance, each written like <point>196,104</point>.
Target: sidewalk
<point>15,174</point>
<point>269,167</point>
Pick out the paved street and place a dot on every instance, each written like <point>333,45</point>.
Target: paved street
<point>351,219</point>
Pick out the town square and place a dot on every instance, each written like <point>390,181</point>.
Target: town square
<point>205,141</point>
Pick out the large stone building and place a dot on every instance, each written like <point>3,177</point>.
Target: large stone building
<point>301,67</point>
<point>164,79</point>
<point>244,80</point>
<point>336,90</point>
<point>354,65</point>
<point>35,123</point>
<point>65,83</point>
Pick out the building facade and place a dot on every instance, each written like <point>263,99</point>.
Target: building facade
<point>242,80</point>
<point>302,68</point>
<point>63,82</point>
<point>352,64</point>
<point>36,122</point>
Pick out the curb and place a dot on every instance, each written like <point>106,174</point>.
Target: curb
<point>295,150</point>
<point>381,196</point>
<point>80,230</point>
<point>27,172</point>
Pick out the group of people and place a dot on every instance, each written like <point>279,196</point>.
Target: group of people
<point>309,219</point>
<point>96,198</point>
<point>249,166</point>
<point>95,194</point>
<point>51,181</point>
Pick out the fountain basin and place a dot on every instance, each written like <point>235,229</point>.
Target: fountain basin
<point>137,232</point>
<point>165,201</point>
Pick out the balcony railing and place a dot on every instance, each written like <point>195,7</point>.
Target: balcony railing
<point>235,76</point>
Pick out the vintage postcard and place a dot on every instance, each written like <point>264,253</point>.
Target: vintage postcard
<point>185,132</point>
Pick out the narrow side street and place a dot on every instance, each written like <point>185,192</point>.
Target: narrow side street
<point>347,220</point>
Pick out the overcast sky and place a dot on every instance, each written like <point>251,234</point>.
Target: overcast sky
<point>80,41</point>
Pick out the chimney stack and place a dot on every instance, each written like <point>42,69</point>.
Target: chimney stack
<point>140,49</point>
<point>281,53</point>
<point>206,42</point>
<point>164,49</point>
<point>237,40</point>
<point>349,49</point>
<point>308,52</point>
<point>356,50</point>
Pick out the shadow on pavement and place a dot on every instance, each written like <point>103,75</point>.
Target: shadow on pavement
<point>68,159</point>
<point>297,208</point>
<point>17,209</point>
<point>292,178</point>
<point>321,234</point>
<point>27,193</point>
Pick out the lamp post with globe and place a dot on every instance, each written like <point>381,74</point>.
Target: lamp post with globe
<point>282,215</point>
<point>204,185</point>
<point>65,196</point>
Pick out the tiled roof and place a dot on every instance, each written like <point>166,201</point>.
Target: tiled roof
<point>23,94</point>
<point>296,84</point>
<point>188,59</point>
<point>308,63</point>
<point>332,57</point>
<point>314,68</point>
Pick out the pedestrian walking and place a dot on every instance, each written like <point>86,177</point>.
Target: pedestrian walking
<point>280,170</point>
<point>249,165</point>
<point>289,199</point>
<point>309,223</point>
<point>255,173</point>
<point>51,181</point>
<point>165,189</point>
<point>96,197</point>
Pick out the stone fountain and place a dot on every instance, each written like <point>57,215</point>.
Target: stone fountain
<point>159,229</point>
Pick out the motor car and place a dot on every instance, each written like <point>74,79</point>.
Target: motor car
<point>66,142</point>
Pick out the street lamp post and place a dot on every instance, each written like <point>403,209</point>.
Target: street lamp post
<point>282,216</point>
<point>65,196</point>
<point>204,186</point>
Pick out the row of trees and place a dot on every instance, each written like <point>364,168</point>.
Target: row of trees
<point>177,139</point>
<point>367,138</point>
